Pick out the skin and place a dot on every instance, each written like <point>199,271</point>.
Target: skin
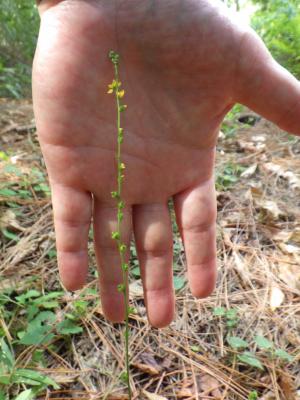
<point>183,66</point>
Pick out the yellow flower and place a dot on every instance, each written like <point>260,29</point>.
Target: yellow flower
<point>121,93</point>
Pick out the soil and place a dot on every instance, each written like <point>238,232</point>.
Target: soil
<point>258,184</point>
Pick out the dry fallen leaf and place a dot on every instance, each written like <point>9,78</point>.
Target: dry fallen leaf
<point>269,396</point>
<point>279,168</point>
<point>296,236</point>
<point>270,207</point>
<point>290,275</point>
<point>136,288</point>
<point>8,219</point>
<point>250,171</point>
<point>251,146</point>
<point>184,392</point>
<point>207,385</point>
<point>153,396</point>
<point>276,297</point>
<point>187,389</point>
<point>276,234</point>
<point>287,387</point>
<point>148,364</point>
<point>289,249</point>
<point>61,376</point>
<point>117,397</point>
<point>240,265</point>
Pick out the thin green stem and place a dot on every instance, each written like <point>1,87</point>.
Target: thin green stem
<point>114,87</point>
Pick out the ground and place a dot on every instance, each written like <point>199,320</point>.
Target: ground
<point>241,343</point>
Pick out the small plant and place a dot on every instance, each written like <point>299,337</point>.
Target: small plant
<point>230,125</point>
<point>249,358</point>
<point>230,317</point>
<point>273,352</point>
<point>253,395</point>
<point>41,325</point>
<point>36,321</point>
<point>263,344</point>
<point>228,176</point>
<point>11,374</point>
<point>115,88</point>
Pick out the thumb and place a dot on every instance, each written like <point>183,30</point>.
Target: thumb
<point>266,87</point>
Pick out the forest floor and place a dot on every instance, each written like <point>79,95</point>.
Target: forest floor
<point>240,343</point>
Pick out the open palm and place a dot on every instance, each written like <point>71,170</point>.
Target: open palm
<point>183,66</point>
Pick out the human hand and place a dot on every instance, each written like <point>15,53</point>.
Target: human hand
<point>183,66</point>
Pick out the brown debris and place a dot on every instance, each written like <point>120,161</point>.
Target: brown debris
<point>259,277</point>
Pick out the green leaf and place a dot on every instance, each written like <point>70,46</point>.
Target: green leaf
<point>24,194</point>
<point>283,355</point>
<point>50,304</point>
<point>219,311</point>
<point>35,376</point>
<point>24,381</point>
<point>32,311</point>
<point>231,323</point>
<point>37,336</point>
<point>3,156</point>
<point>71,316</point>
<point>195,348</point>
<point>123,377</point>
<point>8,193</point>
<point>38,357</point>
<point>42,187</point>
<point>90,292</point>
<point>10,235</point>
<point>51,253</point>
<point>136,272</point>
<point>28,295</point>
<point>37,333</point>
<point>231,313</point>
<point>11,204</point>
<point>3,396</point>
<point>12,169</point>
<point>48,296</point>
<point>179,282</point>
<point>26,395</point>
<point>253,395</point>
<point>263,343</point>
<point>6,356</point>
<point>67,327</point>
<point>80,306</point>
<point>5,379</point>
<point>236,342</point>
<point>249,358</point>
<point>44,316</point>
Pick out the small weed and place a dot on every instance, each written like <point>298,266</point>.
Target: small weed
<point>11,374</point>
<point>230,319</point>
<point>22,185</point>
<point>115,88</point>
<point>250,359</point>
<point>230,316</point>
<point>236,343</point>
<point>230,124</point>
<point>179,282</point>
<point>253,395</point>
<point>35,319</point>
<point>228,176</point>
